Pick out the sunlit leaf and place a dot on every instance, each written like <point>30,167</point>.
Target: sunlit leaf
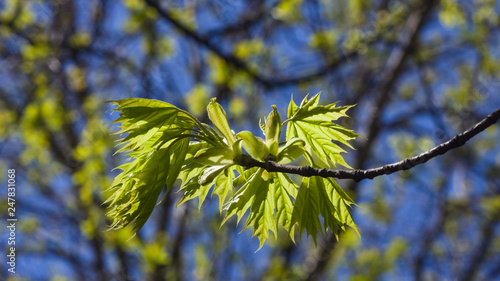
<point>254,146</point>
<point>214,156</point>
<point>273,126</point>
<point>218,116</point>
<point>155,141</point>
<point>314,124</point>
<point>158,139</point>
<point>137,188</point>
<point>321,197</point>
<point>256,195</point>
<point>292,150</point>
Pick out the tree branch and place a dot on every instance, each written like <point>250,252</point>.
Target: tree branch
<point>358,175</point>
<point>268,82</point>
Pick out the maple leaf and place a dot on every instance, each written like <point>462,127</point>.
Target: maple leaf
<point>313,124</point>
<point>159,141</point>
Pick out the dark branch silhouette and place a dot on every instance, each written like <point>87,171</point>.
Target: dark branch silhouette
<point>358,175</point>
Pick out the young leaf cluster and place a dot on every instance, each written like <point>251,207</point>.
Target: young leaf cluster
<point>166,143</point>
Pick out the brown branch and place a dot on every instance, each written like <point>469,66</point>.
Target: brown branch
<point>268,82</point>
<point>166,14</point>
<point>358,175</point>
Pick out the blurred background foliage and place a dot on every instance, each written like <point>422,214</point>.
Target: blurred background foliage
<point>420,71</point>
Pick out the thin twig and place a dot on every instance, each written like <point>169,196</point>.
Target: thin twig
<point>358,175</point>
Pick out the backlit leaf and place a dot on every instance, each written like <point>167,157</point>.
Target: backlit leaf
<point>157,145</point>
<point>292,150</point>
<point>273,126</point>
<point>314,124</point>
<point>321,197</point>
<point>218,116</point>
<point>257,196</point>
<point>159,141</point>
<point>254,146</point>
<point>214,156</point>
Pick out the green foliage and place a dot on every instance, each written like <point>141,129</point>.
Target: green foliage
<point>166,143</point>
<point>313,124</point>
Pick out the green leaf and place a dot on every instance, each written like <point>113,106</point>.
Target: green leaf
<point>192,190</point>
<point>273,147</point>
<point>254,146</point>
<point>270,203</point>
<point>218,117</point>
<point>256,195</point>
<point>214,156</point>
<point>178,153</point>
<point>221,177</point>
<point>214,135</point>
<point>262,127</point>
<point>210,173</point>
<point>307,210</point>
<point>224,186</point>
<point>314,124</point>
<point>321,197</point>
<point>273,126</point>
<point>292,108</point>
<point>157,141</point>
<point>342,203</point>
<point>241,200</point>
<point>284,191</point>
<point>244,177</point>
<point>149,122</point>
<point>293,149</point>
<point>137,188</point>
<point>192,169</point>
